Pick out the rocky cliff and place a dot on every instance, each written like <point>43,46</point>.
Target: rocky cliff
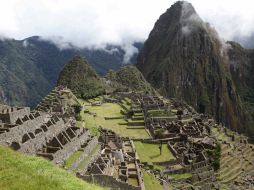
<point>183,57</point>
<point>242,68</point>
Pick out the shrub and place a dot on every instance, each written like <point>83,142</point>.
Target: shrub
<point>77,108</point>
<point>215,156</point>
<point>78,117</point>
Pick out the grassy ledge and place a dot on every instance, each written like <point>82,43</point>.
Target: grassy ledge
<point>22,172</point>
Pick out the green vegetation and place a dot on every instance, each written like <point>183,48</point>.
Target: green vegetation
<point>129,78</point>
<point>133,181</point>
<point>77,108</point>
<point>151,183</point>
<point>159,133</point>
<point>221,136</point>
<point>68,163</point>
<point>21,172</point>
<point>28,73</point>
<point>80,77</point>
<point>86,161</point>
<point>78,117</point>
<point>118,125</point>
<point>162,62</point>
<point>151,153</point>
<point>233,161</point>
<point>215,156</point>
<point>244,84</point>
<point>181,176</point>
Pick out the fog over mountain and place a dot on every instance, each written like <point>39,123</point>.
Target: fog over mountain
<point>96,23</point>
<point>105,32</point>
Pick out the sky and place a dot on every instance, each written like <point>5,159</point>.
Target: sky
<point>92,23</point>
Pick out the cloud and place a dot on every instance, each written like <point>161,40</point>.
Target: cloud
<point>129,51</point>
<point>86,23</point>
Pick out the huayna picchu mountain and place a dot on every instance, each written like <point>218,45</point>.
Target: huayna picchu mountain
<point>183,57</point>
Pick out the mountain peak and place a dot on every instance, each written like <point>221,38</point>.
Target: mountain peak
<point>182,10</point>
<point>182,58</point>
<point>180,16</point>
<point>188,13</point>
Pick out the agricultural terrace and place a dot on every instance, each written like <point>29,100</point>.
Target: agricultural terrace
<point>94,116</point>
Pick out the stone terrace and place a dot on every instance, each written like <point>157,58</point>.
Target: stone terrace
<point>58,101</point>
<point>187,134</point>
<point>48,134</point>
<point>118,162</point>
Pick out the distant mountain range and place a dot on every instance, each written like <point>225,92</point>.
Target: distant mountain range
<point>85,83</point>
<point>29,68</point>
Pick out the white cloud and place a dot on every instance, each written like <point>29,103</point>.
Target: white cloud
<point>97,22</point>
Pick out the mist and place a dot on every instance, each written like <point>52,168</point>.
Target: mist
<point>94,24</point>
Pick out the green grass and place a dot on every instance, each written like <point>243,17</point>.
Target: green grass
<point>151,183</point>
<point>133,181</point>
<point>181,176</point>
<point>151,152</point>
<point>118,125</point>
<point>214,130</point>
<point>174,111</point>
<point>126,103</point>
<point>22,172</point>
<point>220,135</point>
<point>79,123</point>
<point>86,161</point>
<point>72,159</point>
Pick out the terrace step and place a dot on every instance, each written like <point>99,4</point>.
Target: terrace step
<point>86,151</point>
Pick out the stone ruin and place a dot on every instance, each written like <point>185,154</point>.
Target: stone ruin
<point>50,131</point>
<point>187,134</point>
<point>117,166</point>
<point>45,133</point>
<point>59,101</point>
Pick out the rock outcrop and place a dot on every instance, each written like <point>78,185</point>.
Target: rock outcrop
<point>242,68</point>
<point>183,57</point>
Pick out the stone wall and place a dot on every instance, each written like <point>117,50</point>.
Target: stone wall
<point>88,149</point>
<point>10,115</point>
<point>179,171</point>
<point>32,146</point>
<point>108,181</point>
<point>16,133</point>
<point>70,148</point>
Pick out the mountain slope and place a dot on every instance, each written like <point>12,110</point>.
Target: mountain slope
<point>20,78</point>
<point>80,77</point>
<point>128,78</point>
<point>242,68</point>
<point>30,67</point>
<point>21,172</point>
<point>184,58</point>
